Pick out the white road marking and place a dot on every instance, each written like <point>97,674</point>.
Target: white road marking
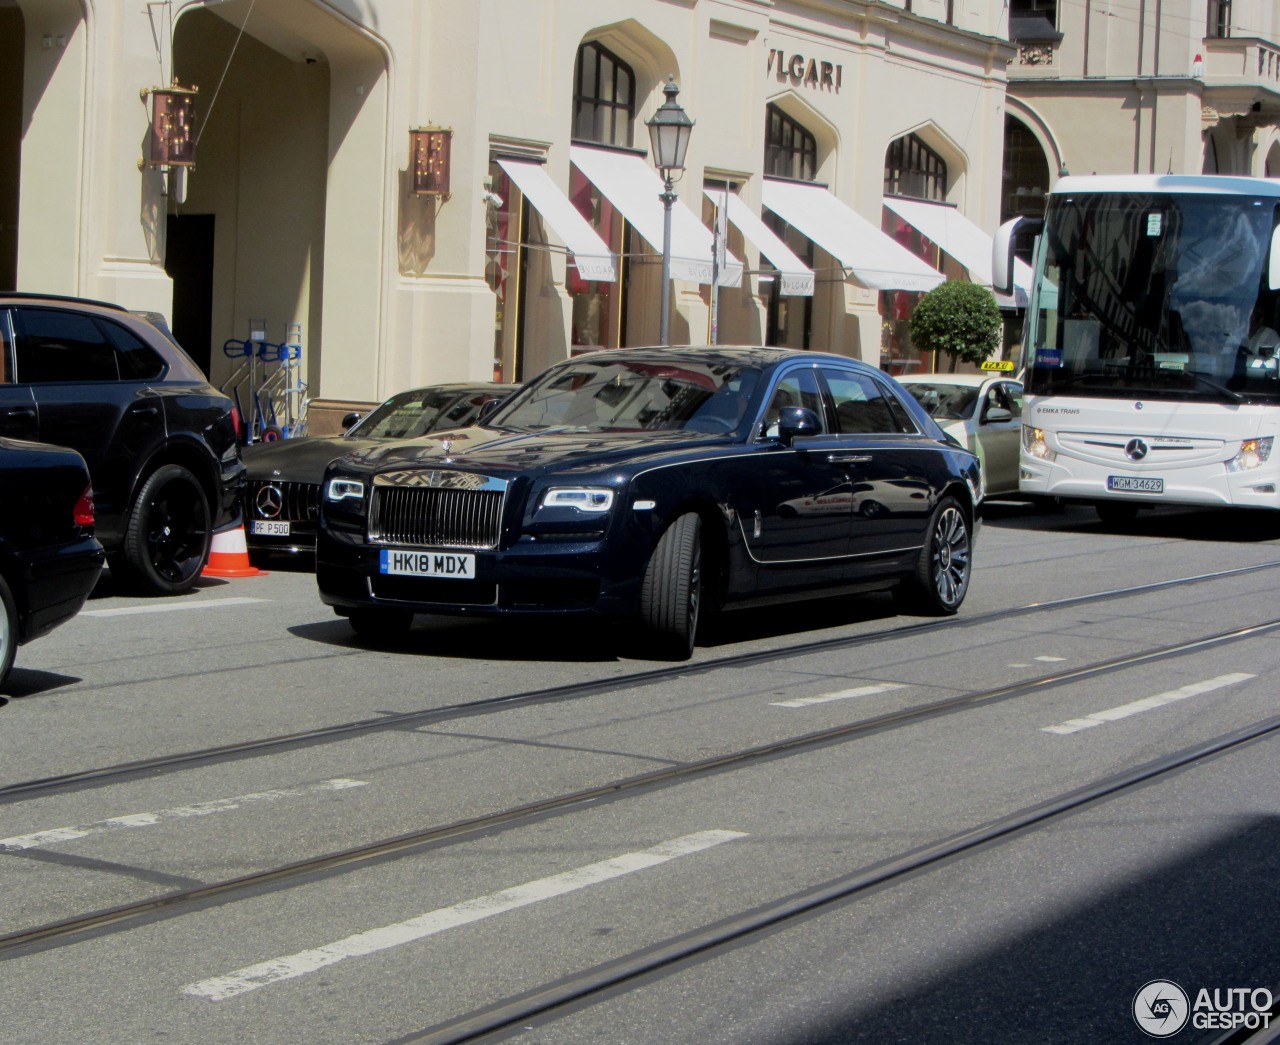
<point>1147,703</point>
<point>217,805</point>
<point>1051,660</point>
<point>252,977</point>
<point>169,607</point>
<point>844,694</point>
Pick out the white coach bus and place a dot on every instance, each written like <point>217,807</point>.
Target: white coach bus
<point>1150,343</point>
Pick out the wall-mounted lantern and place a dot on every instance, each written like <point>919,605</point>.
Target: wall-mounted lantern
<point>173,126</point>
<point>429,160</point>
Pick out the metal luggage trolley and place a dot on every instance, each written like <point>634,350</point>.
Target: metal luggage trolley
<point>270,377</point>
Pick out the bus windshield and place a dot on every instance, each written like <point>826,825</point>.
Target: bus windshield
<point>1155,296</point>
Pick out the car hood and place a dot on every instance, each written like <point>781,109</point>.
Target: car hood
<point>507,453</point>
<point>299,460</point>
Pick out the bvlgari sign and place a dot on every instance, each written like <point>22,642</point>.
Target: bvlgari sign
<point>802,71</point>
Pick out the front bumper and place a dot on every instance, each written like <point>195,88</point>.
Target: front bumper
<point>530,578</point>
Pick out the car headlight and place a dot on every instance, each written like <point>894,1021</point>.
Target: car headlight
<point>343,490</point>
<point>1253,454</point>
<point>1033,442</point>
<point>584,498</point>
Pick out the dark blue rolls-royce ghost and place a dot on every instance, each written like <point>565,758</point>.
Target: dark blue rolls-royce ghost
<point>654,485</point>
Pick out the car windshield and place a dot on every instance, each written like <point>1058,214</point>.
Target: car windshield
<point>945,402</point>
<point>602,394</point>
<point>418,412</point>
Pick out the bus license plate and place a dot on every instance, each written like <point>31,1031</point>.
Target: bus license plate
<point>270,528</point>
<point>405,563</point>
<point>1134,484</point>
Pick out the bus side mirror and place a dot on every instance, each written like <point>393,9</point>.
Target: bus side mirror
<point>1273,263</point>
<point>1002,256</point>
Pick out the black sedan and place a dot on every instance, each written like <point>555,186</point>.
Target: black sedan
<point>283,488</point>
<point>49,557</point>
<point>652,485</point>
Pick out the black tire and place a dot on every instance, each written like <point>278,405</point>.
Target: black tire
<point>671,595</point>
<point>380,625</point>
<point>166,543</point>
<point>1116,513</point>
<point>8,631</point>
<point>942,573</point>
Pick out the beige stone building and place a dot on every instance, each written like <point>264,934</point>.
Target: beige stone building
<point>1140,86</point>
<point>527,223</point>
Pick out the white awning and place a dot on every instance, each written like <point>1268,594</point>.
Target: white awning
<point>591,255</point>
<point>796,276</point>
<point>631,185</point>
<point>867,254</point>
<point>959,238</point>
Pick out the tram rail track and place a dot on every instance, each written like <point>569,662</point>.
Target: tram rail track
<point>103,775</point>
<point>69,930</point>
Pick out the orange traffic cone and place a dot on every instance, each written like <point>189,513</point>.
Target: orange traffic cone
<point>229,556</point>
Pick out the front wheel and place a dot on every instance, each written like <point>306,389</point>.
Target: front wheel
<point>8,631</point>
<point>941,578</point>
<point>671,594</point>
<point>170,530</point>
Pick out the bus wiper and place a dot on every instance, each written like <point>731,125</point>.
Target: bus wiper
<point>1221,389</point>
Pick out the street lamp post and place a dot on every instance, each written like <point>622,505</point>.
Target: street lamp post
<point>669,138</point>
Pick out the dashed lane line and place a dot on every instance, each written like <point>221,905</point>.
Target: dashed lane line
<point>218,805</point>
<point>1159,700</point>
<point>251,977</point>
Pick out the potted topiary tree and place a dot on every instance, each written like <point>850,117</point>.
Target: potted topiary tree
<point>960,319</point>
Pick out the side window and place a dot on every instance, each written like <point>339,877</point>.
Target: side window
<point>862,406</point>
<point>137,360</point>
<point>6,350</point>
<point>53,345</point>
<point>797,388</point>
<point>1014,394</point>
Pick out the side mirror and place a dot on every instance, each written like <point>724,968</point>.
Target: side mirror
<point>997,414</point>
<point>350,419</point>
<point>1002,256</point>
<point>486,410</point>
<point>797,420</point>
<point>1273,263</point>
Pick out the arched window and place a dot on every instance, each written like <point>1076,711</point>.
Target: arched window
<point>789,150</point>
<point>913,169</point>
<point>1026,172</point>
<point>604,91</point>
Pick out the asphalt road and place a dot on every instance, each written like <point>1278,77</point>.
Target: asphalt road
<point>1045,933</point>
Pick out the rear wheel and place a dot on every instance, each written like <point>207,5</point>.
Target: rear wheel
<point>380,625</point>
<point>8,631</point>
<point>167,540</point>
<point>941,579</point>
<point>671,594</point>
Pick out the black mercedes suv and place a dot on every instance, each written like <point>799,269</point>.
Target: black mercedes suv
<point>162,444</point>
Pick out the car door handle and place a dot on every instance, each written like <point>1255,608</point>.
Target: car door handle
<point>147,409</point>
<point>19,411</point>
<point>849,458</point>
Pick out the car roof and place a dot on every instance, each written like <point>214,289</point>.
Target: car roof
<point>954,379</point>
<point>742,355</point>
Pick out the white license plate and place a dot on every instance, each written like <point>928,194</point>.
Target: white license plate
<point>269,528</point>
<point>405,563</point>
<point>1134,484</point>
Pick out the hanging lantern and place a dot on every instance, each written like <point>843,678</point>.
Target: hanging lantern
<point>173,127</point>
<point>429,160</point>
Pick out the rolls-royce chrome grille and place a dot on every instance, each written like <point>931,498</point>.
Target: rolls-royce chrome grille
<point>436,509</point>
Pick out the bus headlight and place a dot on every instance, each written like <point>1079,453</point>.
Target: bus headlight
<point>1034,444</point>
<point>1253,454</point>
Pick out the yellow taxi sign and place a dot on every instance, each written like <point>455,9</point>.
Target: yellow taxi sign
<point>997,364</point>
